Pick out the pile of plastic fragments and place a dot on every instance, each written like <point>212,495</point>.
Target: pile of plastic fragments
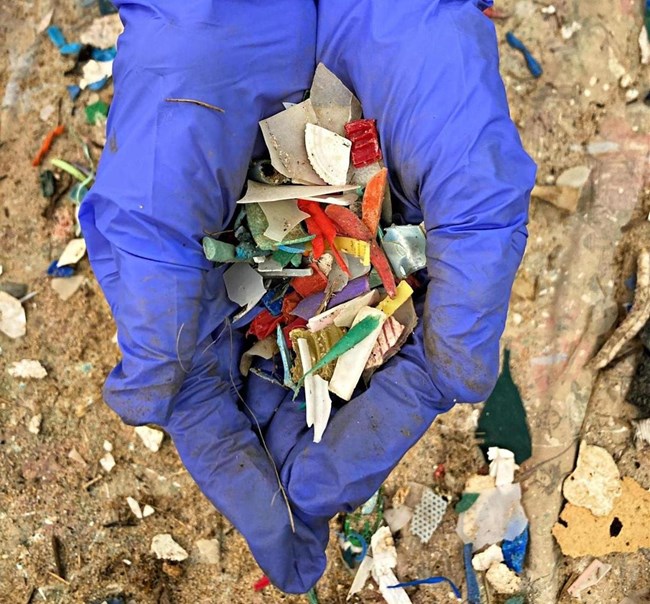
<point>319,279</point>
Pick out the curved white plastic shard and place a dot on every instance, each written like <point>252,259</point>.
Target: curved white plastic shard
<point>328,153</point>
<point>318,403</point>
<point>73,252</point>
<point>351,364</point>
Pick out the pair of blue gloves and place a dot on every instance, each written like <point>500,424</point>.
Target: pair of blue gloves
<point>427,70</point>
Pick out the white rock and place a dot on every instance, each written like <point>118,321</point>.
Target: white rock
<point>135,507</point>
<point>65,287</point>
<point>484,560</point>
<point>625,81</point>
<point>549,10</point>
<point>567,31</point>
<point>151,438</point>
<point>631,95</point>
<point>206,551</point>
<point>596,481</point>
<point>165,548</point>
<point>46,112</point>
<point>34,425</point>
<point>27,368</point>
<point>147,511</point>
<point>103,31</point>
<point>76,456</point>
<point>108,446</point>
<point>107,462</point>
<point>503,579</point>
<point>13,322</point>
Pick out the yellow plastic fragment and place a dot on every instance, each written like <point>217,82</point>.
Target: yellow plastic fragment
<point>355,247</point>
<point>388,306</point>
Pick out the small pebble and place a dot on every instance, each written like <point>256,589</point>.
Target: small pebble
<point>151,438</point>
<point>34,425</point>
<point>107,462</point>
<point>165,548</point>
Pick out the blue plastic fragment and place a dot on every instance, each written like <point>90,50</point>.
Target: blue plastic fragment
<point>361,543</point>
<point>56,35</point>
<point>106,54</point>
<point>285,356</point>
<point>292,249</point>
<point>516,600</point>
<point>473,592</point>
<point>74,91</point>
<point>98,85</point>
<point>430,581</point>
<point>533,66</point>
<point>514,552</point>
<point>273,299</point>
<point>71,48</point>
<point>59,271</point>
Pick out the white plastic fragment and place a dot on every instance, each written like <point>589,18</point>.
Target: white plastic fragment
<point>257,192</point>
<point>284,135</point>
<point>317,398</point>
<point>165,548</point>
<point>135,507</point>
<point>244,286</point>
<point>27,368</point>
<point>343,315</point>
<point>150,437</point>
<point>595,483</point>
<point>502,466</point>
<point>361,577</point>
<point>575,177</point>
<point>95,71</point>
<point>73,252</point>
<point>328,153</point>
<point>107,462</point>
<point>265,349</point>
<point>282,217</point>
<point>147,511</point>
<point>107,446</point>
<point>590,577</point>
<point>503,580</point>
<point>332,102</point>
<point>76,456</point>
<point>34,425</point>
<point>644,46</point>
<point>428,514</point>
<point>206,551</point>
<point>484,560</point>
<point>398,517</point>
<point>13,322</point>
<point>65,287</point>
<point>384,561</point>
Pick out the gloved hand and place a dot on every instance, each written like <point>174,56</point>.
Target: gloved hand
<point>427,70</point>
<point>170,173</point>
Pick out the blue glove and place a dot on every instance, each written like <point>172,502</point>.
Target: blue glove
<point>170,173</point>
<point>428,72</point>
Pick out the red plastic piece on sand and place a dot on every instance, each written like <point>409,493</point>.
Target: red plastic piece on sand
<point>306,286</point>
<point>262,583</point>
<point>365,142</point>
<point>264,325</point>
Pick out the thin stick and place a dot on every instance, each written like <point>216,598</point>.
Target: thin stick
<point>55,576</point>
<point>58,562</point>
<point>90,483</point>
<point>259,431</point>
<point>199,103</point>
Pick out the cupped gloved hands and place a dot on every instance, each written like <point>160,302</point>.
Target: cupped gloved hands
<point>428,72</point>
<point>170,173</point>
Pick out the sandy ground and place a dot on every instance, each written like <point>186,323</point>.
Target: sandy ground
<point>105,549</point>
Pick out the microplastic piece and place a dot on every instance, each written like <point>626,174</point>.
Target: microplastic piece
<point>388,338</point>
<point>332,102</point>
<point>282,217</point>
<point>328,153</point>
<point>244,285</point>
<point>218,251</point>
<point>344,314</point>
<point>260,193</point>
<point>405,248</point>
<point>365,142</point>
<point>72,253</point>
<point>355,247</point>
<point>427,515</point>
<point>389,305</point>
<point>317,398</point>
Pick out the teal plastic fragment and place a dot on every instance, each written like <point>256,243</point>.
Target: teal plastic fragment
<point>218,251</point>
<point>285,355</point>
<point>296,260</point>
<point>374,280</point>
<point>282,258</point>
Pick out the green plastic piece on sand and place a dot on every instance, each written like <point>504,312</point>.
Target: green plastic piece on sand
<point>503,420</point>
<point>92,111</point>
<point>466,502</point>
<point>356,334</point>
<point>312,597</point>
<point>218,251</point>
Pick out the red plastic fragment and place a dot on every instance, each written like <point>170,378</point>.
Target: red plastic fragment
<point>350,225</point>
<point>495,13</point>
<point>365,142</point>
<point>306,286</point>
<point>47,143</point>
<point>288,304</point>
<point>262,583</point>
<point>295,324</point>
<point>320,225</point>
<point>439,472</point>
<point>373,198</point>
<point>264,325</point>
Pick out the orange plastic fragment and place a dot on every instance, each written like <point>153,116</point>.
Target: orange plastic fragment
<point>373,199</point>
<point>47,144</point>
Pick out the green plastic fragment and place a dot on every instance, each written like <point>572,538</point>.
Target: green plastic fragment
<point>312,597</point>
<point>301,239</point>
<point>218,251</point>
<point>374,279</point>
<point>503,420</point>
<point>466,502</point>
<point>282,258</point>
<point>257,223</point>
<point>69,168</point>
<point>516,600</point>
<point>286,356</point>
<point>296,260</point>
<point>96,109</point>
<point>357,333</point>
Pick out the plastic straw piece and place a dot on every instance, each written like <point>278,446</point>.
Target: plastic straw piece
<point>47,144</point>
<point>356,334</point>
<point>533,66</point>
<point>473,592</point>
<point>430,581</point>
<point>69,168</point>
